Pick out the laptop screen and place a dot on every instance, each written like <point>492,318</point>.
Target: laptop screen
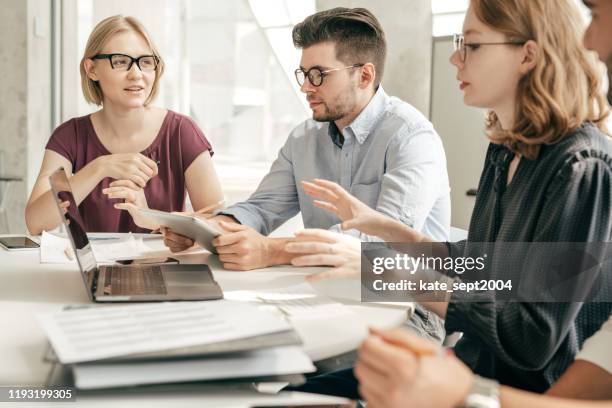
<point>74,225</point>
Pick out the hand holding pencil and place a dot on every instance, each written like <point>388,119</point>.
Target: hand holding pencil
<point>397,368</point>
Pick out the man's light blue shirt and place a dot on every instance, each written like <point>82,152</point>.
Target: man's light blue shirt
<point>392,159</point>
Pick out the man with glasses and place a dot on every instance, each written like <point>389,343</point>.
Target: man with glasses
<point>378,147</point>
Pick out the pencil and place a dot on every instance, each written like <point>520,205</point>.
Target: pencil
<point>67,253</point>
<point>211,207</point>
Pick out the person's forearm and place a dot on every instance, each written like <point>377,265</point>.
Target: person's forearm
<point>583,380</point>
<point>41,213</point>
<point>226,218</point>
<point>276,251</point>
<point>394,231</point>
<point>513,398</point>
<point>86,179</point>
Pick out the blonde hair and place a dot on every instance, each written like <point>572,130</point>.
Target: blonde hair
<point>563,90</point>
<point>99,37</point>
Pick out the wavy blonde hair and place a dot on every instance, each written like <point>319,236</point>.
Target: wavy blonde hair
<point>99,37</point>
<point>564,88</point>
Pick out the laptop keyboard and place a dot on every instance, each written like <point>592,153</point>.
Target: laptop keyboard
<point>146,280</point>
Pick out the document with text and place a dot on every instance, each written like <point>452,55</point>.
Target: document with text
<point>110,331</point>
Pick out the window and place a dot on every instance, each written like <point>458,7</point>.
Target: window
<point>448,16</point>
<point>242,86</point>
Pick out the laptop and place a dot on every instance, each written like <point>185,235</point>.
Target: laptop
<point>132,283</point>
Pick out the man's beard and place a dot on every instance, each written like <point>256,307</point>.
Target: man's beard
<point>341,108</point>
<point>329,115</point>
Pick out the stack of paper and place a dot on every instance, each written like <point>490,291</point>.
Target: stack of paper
<point>114,346</point>
<point>273,362</point>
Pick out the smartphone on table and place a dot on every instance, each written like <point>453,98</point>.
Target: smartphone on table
<point>18,243</point>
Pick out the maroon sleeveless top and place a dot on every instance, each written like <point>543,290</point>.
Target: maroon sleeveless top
<point>178,143</point>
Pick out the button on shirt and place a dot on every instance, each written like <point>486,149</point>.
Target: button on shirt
<point>391,159</point>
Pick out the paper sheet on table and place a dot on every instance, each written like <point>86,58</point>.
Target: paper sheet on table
<point>259,363</point>
<point>300,301</point>
<point>53,249</point>
<point>109,331</point>
<point>312,313</point>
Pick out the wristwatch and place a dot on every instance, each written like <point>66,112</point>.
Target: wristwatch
<point>484,394</point>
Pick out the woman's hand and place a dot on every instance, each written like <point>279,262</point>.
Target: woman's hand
<point>179,243</point>
<point>399,369</point>
<point>64,205</point>
<point>176,242</point>
<point>354,214</point>
<point>133,198</point>
<point>134,167</point>
<point>324,248</point>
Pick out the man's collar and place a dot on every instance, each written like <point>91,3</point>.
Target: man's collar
<point>365,121</point>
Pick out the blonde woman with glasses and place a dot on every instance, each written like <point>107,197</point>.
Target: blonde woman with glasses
<point>128,154</point>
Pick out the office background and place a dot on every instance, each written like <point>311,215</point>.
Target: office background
<point>230,66</point>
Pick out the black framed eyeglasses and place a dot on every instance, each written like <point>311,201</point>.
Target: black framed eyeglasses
<point>461,46</point>
<point>316,75</point>
<point>146,63</point>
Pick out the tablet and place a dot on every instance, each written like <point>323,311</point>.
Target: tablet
<point>192,227</point>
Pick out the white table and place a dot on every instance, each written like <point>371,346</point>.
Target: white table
<point>28,288</point>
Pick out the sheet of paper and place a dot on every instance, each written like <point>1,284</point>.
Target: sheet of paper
<point>269,362</point>
<point>298,301</point>
<point>124,248</point>
<point>109,331</point>
<point>57,249</point>
<point>54,249</point>
<point>312,313</point>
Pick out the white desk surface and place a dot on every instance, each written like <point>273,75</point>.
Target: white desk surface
<point>28,288</point>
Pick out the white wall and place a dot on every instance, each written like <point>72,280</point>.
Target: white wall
<point>407,26</point>
<point>461,129</point>
<point>13,104</point>
<point>25,112</point>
